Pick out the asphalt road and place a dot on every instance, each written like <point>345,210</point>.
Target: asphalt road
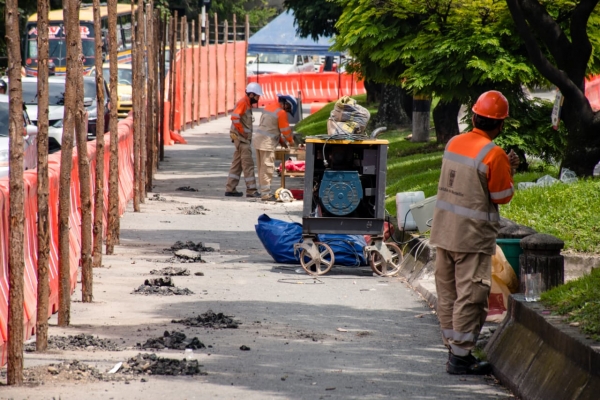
<point>346,335</point>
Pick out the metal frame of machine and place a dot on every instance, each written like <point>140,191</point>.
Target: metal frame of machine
<point>344,193</point>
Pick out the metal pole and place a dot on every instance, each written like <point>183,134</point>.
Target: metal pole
<point>203,25</point>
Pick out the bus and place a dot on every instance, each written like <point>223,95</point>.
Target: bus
<point>57,43</point>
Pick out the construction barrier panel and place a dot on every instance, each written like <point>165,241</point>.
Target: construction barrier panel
<point>30,231</point>
<point>313,87</point>
<point>592,91</point>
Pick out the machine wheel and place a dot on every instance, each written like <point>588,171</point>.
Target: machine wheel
<point>382,268</point>
<point>317,266</point>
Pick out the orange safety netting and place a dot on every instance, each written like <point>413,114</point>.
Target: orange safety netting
<point>30,231</point>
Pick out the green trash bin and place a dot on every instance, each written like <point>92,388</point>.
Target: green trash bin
<point>512,250</point>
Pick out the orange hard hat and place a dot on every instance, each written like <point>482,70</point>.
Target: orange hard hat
<point>491,104</point>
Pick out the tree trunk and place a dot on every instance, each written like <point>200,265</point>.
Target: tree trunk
<point>420,121</point>
<point>184,61</point>
<point>137,120</point>
<point>43,225</point>
<point>445,119</point>
<point>374,91</point>
<point>172,73</point>
<point>151,89</point>
<point>85,194</point>
<point>16,260</point>
<point>113,184</point>
<point>99,186</point>
<point>144,103</point>
<point>71,16</point>
<point>583,142</point>
<point>391,111</point>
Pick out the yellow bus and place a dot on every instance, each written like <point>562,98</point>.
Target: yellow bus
<point>57,43</point>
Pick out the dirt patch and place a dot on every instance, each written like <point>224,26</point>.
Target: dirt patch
<point>152,364</point>
<point>162,287</point>
<point>171,271</point>
<point>66,371</point>
<point>187,189</point>
<point>172,340</point>
<point>193,210</point>
<point>77,342</point>
<point>210,320</point>
<point>190,246</point>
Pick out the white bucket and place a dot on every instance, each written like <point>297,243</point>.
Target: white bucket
<point>403,202</point>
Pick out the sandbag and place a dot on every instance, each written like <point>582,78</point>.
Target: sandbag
<point>278,238</point>
<point>504,282</point>
<point>347,249</point>
<point>348,117</point>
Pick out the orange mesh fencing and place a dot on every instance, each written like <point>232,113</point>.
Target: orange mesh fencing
<point>30,227</point>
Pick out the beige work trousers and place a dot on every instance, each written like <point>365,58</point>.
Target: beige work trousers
<point>242,162</point>
<point>463,282</point>
<point>265,161</point>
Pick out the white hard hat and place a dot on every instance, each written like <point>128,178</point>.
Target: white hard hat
<point>255,88</point>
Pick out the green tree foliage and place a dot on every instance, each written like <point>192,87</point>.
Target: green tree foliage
<point>314,18</point>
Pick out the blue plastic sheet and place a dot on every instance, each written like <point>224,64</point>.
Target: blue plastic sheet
<point>278,238</point>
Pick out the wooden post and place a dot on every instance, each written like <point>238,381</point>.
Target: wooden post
<point>16,260</point>
<point>71,12</point>
<point>85,188</point>
<point>208,97</point>
<point>135,83</point>
<point>100,128</point>
<point>143,98</point>
<point>194,115</point>
<point>184,59</point>
<point>151,90</point>
<point>172,72</point>
<point>43,234</point>
<point>113,182</point>
<point>234,60</point>
<point>246,36</point>
<point>164,38</point>
<point>226,29</point>
<point>200,69</point>
<point>217,63</point>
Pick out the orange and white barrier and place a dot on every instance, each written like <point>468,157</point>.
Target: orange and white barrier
<point>592,91</point>
<point>30,241</point>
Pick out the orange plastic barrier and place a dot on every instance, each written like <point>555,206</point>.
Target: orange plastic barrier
<point>30,231</point>
<point>592,91</point>
<point>217,80</point>
<point>315,87</point>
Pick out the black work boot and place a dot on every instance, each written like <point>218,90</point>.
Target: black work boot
<point>468,365</point>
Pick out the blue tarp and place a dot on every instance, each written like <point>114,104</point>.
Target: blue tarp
<point>279,36</point>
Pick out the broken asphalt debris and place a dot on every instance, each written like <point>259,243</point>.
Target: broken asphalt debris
<point>152,364</point>
<point>210,320</point>
<point>190,246</point>
<point>65,371</point>
<point>157,197</point>
<point>161,286</point>
<point>172,340</point>
<point>187,189</point>
<point>244,348</point>
<point>193,210</point>
<point>171,271</point>
<point>77,342</point>
<point>188,256</point>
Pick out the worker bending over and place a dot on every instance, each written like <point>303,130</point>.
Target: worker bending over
<point>273,125</point>
<point>241,137</point>
<point>476,177</point>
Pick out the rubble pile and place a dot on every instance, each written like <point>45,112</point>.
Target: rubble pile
<point>152,364</point>
<point>190,246</point>
<point>77,342</point>
<point>193,210</point>
<point>171,271</point>
<point>210,320</point>
<point>65,371</point>
<point>172,340</point>
<point>161,286</point>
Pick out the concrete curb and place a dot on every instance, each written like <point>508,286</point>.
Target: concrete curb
<point>534,354</point>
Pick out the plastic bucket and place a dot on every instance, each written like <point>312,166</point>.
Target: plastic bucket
<point>512,250</point>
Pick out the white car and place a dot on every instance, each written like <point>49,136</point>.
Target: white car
<point>270,63</point>
<point>30,139</point>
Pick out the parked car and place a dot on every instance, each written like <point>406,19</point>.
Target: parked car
<point>30,139</point>
<point>90,102</point>
<point>269,63</point>
<point>124,89</point>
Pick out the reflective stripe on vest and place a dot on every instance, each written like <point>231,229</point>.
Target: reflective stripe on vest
<point>467,212</point>
<point>263,132</point>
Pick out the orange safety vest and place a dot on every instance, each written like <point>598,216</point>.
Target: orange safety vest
<point>475,178</point>
<point>273,123</point>
<point>242,114</point>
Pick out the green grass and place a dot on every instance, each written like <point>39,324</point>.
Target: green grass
<point>579,300</point>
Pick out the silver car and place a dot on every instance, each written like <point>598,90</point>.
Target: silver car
<point>30,139</point>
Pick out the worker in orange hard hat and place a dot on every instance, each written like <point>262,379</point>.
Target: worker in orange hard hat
<point>476,177</point>
<point>241,136</point>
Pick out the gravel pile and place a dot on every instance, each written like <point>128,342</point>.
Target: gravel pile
<point>152,364</point>
<point>210,320</point>
<point>65,371</point>
<point>172,340</point>
<point>193,210</point>
<point>190,246</point>
<point>171,271</point>
<point>161,286</point>
<point>77,342</point>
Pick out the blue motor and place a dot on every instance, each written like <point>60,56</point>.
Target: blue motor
<point>340,191</point>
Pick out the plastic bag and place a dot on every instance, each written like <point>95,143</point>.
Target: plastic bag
<point>278,238</point>
<point>504,282</point>
<point>568,176</point>
<point>347,249</point>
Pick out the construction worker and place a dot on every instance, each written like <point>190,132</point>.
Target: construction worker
<point>241,137</point>
<point>273,125</point>
<point>476,176</point>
